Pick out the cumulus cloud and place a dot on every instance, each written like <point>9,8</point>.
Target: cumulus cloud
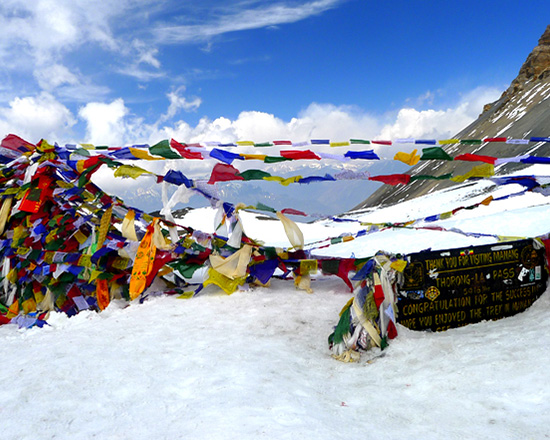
<point>106,123</point>
<point>36,117</point>
<point>431,123</point>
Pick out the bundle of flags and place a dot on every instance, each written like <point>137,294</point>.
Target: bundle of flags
<point>67,246</point>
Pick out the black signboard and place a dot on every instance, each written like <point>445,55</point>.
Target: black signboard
<point>452,288</point>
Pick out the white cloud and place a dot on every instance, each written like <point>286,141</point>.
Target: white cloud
<point>244,19</point>
<point>317,121</point>
<point>146,54</point>
<point>36,117</point>
<point>105,123</point>
<point>439,124</point>
<point>178,102</point>
<point>46,28</point>
<point>39,35</point>
<point>113,123</point>
<point>55,75</point>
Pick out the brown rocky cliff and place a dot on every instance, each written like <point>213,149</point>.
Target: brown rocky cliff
<point>536,66</point>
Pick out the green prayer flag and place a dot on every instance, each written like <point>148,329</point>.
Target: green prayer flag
<point>270,252</point>
<point>359,141</point>
<point>274,159</point>
<point>163,149</point>
<point>437,153</point>
<point>343,327</point>
<point>185,269</point>
<point>82,152</point>
<point>254,175</point>
<point>261,207</point>
<point>471,141</point>
<point>264,144</point>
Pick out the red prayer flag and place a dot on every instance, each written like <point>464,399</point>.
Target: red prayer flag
<point>392,179</point>
<point>299,154</point>
<point>15,143</point>
<point>223,172</point>
<point>501,139</point>
<point>282,143</point>
<point>184,152</point>
<point>378,295</point>
<point>381,142</point>
<point>392,331</point>
<point>476,158</point>
<point>293,212</point>
<point>346,265</point>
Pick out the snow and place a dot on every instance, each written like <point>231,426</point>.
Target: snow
<point>255,365</point>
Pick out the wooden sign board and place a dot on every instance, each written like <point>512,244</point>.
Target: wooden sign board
<point>452,288</point>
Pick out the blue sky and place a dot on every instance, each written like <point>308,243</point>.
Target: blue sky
<point>140,71</point>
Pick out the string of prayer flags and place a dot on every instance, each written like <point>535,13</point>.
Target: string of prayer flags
<point>70,247</point>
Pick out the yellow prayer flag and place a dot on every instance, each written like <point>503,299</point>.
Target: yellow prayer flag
<point>408,158</point>
<point>80,166</point>
<point>399,265</point>
<point>292,231</point>
<point>502,238</point>
<point>13,310</point>
<point>227,284</point>
<point>120,263</point>
<point>143,154</point>
<point>449,141</point>
<point>308,267</point>
<point>186,295</point>
<point>80,237</point>
<point>282,181</point>
<point>339,144</point>
<point>128,229</point>
<point>12,276</point>
<point>233,266</point>
<point>85,260</point>
<point>485,170</point>
<point>254,156</point>
<point>130,171</point>
<point>5,213</point>
<point>29,306</point>
<point>245,143</point>
<point>104,226</point>
<point>94,275</point>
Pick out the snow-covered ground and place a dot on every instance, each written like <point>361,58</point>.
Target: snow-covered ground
<point>256,364</point>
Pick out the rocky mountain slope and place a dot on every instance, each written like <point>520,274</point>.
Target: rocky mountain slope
<point>523,111</point>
